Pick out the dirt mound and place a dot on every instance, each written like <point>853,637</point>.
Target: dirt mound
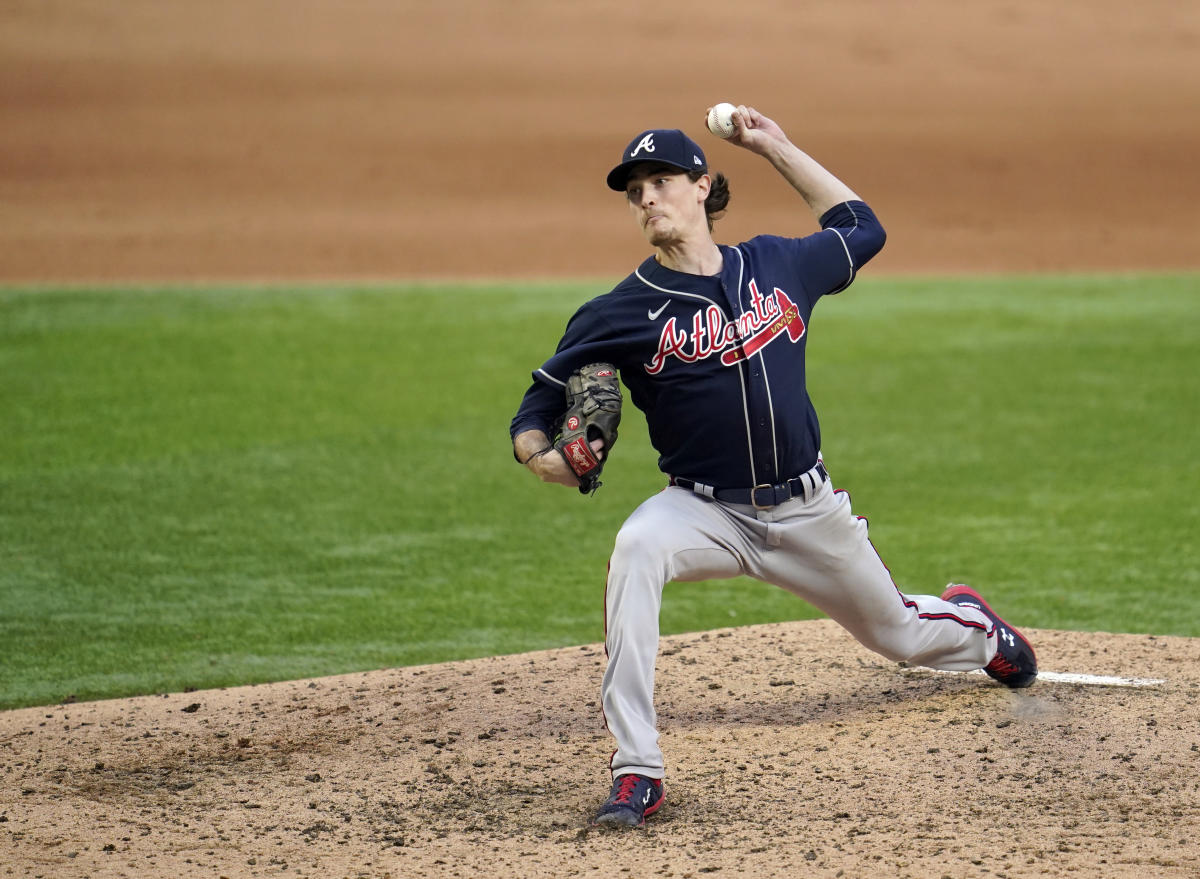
<point>791,751</point>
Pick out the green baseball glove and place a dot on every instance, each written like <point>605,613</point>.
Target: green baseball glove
<point>593,412</point>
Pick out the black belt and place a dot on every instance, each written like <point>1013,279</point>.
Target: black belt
<point>765,495</point>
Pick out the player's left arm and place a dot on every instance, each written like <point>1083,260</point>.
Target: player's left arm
<point>530,430</point>
<point>588,338</point>
<point>534,449</point>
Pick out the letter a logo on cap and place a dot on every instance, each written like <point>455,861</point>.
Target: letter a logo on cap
<point>646,143</point>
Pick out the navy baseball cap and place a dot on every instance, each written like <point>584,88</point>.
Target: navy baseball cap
<point>670,146</point>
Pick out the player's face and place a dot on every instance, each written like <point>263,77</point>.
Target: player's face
<point>666,205</point>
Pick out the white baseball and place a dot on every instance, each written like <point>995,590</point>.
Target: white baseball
<point>720,120</point>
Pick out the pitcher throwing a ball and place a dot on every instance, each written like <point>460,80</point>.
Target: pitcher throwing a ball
<point>709,341</point>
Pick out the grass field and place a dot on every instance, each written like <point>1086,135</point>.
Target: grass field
<point>209,487</point>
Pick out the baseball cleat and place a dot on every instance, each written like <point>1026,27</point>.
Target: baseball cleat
<point>633,798</point>
<point>1015,664</point>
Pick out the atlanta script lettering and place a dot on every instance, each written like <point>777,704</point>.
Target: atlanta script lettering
<point>735,340</point>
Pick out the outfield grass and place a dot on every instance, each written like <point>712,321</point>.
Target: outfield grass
<point>203,488</point>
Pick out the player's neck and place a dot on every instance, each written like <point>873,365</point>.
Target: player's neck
<point>700,257</point>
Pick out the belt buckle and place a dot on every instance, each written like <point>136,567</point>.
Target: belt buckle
<point>754,496</point>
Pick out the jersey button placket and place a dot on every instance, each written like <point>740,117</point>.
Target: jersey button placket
<point>761,447</point>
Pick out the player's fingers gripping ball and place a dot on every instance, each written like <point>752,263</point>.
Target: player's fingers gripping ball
<point>720,120</point>
<point>593,412</point>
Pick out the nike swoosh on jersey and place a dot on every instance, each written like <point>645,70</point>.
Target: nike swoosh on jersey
<point>653,315</point>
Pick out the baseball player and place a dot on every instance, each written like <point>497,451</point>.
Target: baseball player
<point>709,340</point>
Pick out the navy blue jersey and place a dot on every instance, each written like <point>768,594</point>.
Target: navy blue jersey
<point>716,363</point>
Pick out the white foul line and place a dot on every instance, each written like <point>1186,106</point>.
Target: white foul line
<point>1059,677</point>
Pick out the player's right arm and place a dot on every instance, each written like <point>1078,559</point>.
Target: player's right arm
<point>819,188</point>
<point>830,262</point>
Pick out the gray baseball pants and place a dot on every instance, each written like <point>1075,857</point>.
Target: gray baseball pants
<point>813,546</point>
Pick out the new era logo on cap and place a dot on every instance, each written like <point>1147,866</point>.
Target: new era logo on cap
<point>670,146</point>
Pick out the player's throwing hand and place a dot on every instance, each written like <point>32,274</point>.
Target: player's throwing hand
<point>756,132</point>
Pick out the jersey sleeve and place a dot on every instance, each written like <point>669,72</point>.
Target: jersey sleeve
<point>829,260</point>
<point>542,407</point>
<point>589,338</point>
<point>858,227</point>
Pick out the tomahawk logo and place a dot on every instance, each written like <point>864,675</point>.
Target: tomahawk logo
<point>646,143</point>
<point>768,318</point>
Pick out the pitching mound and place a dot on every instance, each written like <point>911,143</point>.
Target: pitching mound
<point>792,751</point>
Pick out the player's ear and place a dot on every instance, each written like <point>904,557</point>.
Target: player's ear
<point>704,186</point>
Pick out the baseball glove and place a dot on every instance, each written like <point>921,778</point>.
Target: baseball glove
<point>593,412</point>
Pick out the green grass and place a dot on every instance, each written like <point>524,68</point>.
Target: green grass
<point>209,487</point>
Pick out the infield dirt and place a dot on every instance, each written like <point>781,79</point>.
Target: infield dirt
<point>308,141</point>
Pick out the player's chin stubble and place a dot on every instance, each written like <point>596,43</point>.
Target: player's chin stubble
<point>658,233</point>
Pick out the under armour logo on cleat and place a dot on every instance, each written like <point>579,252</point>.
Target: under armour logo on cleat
<point>646,798</point>
<point>1007,636</point>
